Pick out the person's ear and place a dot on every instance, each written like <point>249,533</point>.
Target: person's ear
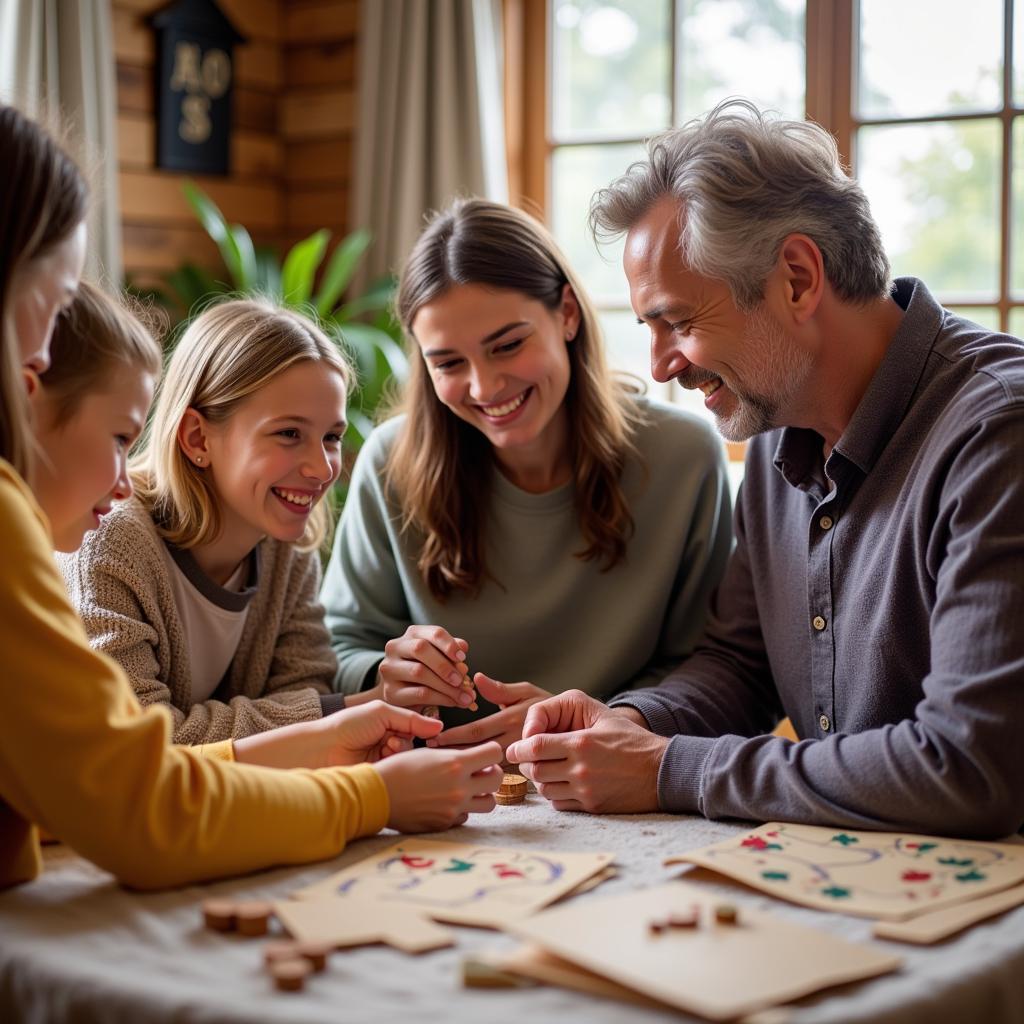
<point>192,438</point>
<point>571,314</point>
<point>800,278</point>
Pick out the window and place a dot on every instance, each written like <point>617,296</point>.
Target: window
<point>925,98</point>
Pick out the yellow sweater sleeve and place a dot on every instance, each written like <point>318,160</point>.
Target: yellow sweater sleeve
<point>80,758</point>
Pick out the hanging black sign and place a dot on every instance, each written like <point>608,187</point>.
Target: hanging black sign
<point>195,79</point>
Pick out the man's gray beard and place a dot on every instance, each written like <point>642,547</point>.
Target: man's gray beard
<point>754,414</point>
<point>758,413</point>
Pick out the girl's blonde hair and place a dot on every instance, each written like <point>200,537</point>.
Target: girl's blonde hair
<point>229,352</point>
<point>92,337</point>
<point>440,466</point>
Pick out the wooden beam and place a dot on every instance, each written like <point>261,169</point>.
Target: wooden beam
<point>321,64</point>
<point>155,197</point>
<point>331,21</point>
<point>252,155</point>
<point>317,114</point>
<point>326,161</point>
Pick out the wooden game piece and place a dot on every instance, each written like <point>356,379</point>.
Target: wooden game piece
<point>480,974</point>
<point>253,918</point>
<point>290,975</point>
<point>315,954</point>
<point>278,951</point>
<point>219,915</point>
<point>501,798</point>
<point>690,919</point>
<point>512,789</point>
<point>726,913</point>
<point>513,785</point>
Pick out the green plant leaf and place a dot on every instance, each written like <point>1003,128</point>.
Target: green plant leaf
<point>377,298</point>
<point>234,243</point>
<point>247,278</point>
<point>340,268</point>
<point>192,284</point>
<point>360,426</point>
<point>300,266</point>
<point>268,272</point>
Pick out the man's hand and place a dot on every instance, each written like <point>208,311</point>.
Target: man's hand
<point>504,726</point>
<point>584,756</point>
<point>368,732</point>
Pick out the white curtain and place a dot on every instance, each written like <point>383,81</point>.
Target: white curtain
<point>430,120</point>
<point>57,64</point>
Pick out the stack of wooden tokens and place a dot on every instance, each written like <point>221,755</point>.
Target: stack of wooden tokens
<point>722,913</point>
<point>512,790</point>
<point>291,963</point>
<point>250,917</point>
<point>288,963</point>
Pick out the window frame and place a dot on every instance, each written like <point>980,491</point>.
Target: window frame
<point>831,90</point>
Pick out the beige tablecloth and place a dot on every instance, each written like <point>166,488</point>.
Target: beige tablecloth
<point>75,946</point>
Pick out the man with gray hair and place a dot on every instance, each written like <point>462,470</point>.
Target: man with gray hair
<point>876,591</point>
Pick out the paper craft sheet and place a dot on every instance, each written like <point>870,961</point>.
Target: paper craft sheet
<point>718,971</point>
<point>345,923</point>
<point>460,883</point>
<point>940,924</point>
<point>883,875</point>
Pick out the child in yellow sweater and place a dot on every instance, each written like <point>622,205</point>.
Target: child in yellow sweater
<point>78,755</point>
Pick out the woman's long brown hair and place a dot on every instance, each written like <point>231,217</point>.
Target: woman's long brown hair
<point>43,198</point>
<point>441,468</point>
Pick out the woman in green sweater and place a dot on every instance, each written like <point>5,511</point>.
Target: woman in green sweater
<point>527,512</point>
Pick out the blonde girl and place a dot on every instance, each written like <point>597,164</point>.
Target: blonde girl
<point>203,586</point>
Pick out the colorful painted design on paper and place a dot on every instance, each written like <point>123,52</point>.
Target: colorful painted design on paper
<point>490,873</point>
<point>875,874</point>
<point>462,882</point>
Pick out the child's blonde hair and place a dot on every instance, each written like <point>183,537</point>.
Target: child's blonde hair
<point>92,337</point>
<point>229,352</point>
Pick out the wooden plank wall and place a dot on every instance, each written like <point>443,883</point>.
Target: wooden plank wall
<point>318,113</point>
<point>291,145</point>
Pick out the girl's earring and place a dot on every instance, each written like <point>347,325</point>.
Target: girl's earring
<point>199,460</point>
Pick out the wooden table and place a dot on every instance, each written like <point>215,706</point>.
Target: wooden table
<point>75,946</point>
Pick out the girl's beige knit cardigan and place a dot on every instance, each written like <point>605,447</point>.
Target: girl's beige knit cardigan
<point>120,585</point>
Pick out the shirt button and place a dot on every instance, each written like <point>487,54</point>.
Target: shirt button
<point>824,723</point>
<point>818,623</point>
<point>825,522</point>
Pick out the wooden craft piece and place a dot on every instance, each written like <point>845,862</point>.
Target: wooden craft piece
<point>940,924</point>
<point>219,915</point>
<point>459,883</point>
<point>290,975</point>
<point>477,973</point>
<point>252,918</point>
<point>718,972</point>
<point>884,875</point>
<point>341,923</point>
<point>536,964</point>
